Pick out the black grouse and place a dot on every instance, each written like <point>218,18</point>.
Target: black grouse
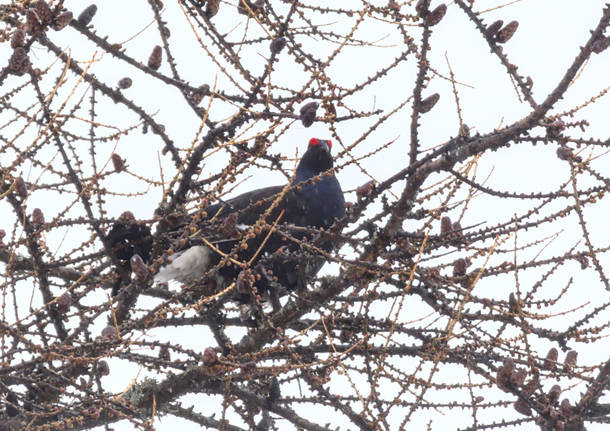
<point>313,199</point>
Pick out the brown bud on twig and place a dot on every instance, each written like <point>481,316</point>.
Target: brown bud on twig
<point>158,129</point>
<point>211,8</point>
<point>493,28</point>
<point>600,45</point>
<point>464,130</point>
<point>243,284</point>
<point>197,97</point>
<point>44,12</point>
<point>138,267</point>
<point>551,359</point>
<point>428,103</point>
<point>21,188</point>
<point>584,262</point>
<point>64,302</point>
<point>62,20</point>
<point>37,217</point>
<point>209,356</point>
<point>522,407</point>
<point>457,228</point>
<point>102,368</point>
<point>331,111</point>
<point>508,366</point>
<point>32,22</point>
<point>117,162</point>
<point>502,379</point>
<point>228,227</point>
<point>554,394</point>
<point>570,361</point>
<point>530,387</point>
<point>555,128</point>
<point>422,7</point>
<point>18,39</point>
<point>459,267</point>
<point>109,332</point>
<point>19,63</point>
<point>125,83</point>
<point>446,225</point>
<point>565,407</point>
<point>505,34</point>
<point>518,377</point>
<point>164,354</point>
<point>2,235</point>
<point>199,94</point>
<point>504,374</point>
<point>436,15</point>
<point>277,45</point>
<point>154,61</point>
<point>308,113</point>
<point>513,304</point>
<point>87,15</point>
<point>564,153</point>
<point>365,190</point>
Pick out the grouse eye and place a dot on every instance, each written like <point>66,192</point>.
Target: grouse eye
<point>313,142</point>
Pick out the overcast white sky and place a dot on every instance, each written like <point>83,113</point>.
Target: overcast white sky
<point>549,37</point>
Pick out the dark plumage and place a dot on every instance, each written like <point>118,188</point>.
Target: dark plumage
<point>311,201</point>
<point>126,238</point>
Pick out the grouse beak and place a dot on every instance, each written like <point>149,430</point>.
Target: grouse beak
<point>324,144</point>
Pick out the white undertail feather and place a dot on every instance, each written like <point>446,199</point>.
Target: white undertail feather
<point>186,266</point>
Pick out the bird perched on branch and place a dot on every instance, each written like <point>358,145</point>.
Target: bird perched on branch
<point>267,233</point>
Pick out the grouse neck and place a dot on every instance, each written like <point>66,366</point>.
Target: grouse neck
<point>313,163</point>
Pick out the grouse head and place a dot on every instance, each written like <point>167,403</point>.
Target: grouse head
<point>317,158</point>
